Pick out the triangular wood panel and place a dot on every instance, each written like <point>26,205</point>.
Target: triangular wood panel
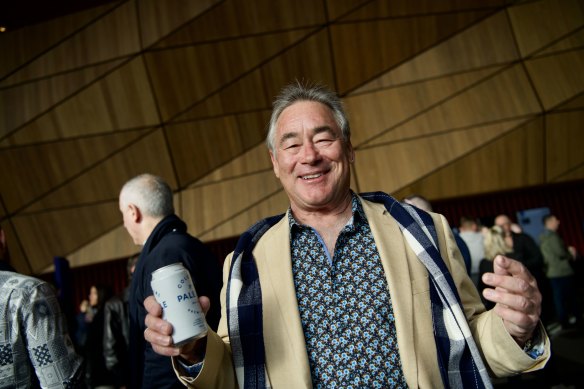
<point>512,161</point>
<point>25,44</point>
<point>103,181</point>
<point>236,134</point>
<point>236,19</point>
<point>42,95</point>
<point>369,112</point>
<point>255,160</point>
<point>483,40</point>
<point>401,167</point>
<point>113,36</point>
<point>185,76</point>
<point>60,231</point>
<point>400,8</point>
<point>557,78</point>
<point>35,171</point>
<point>363,51</point>
<point>210,206</point>
<point>109,104</point>
<point>158,20</point>
<point>535,22</point>
<point>564,141</point>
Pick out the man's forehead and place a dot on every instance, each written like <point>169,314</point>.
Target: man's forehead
<point>306,115</point>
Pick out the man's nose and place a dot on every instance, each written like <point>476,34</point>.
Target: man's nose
<point>310,153</point>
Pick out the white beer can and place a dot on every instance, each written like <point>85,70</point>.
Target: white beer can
<point>174,290</point>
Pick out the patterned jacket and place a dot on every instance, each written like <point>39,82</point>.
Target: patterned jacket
<point>33,336</point>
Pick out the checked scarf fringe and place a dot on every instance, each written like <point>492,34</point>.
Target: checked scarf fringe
<point>459,360</point>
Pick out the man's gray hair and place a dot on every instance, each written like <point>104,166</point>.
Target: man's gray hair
<point>150,193</point>
<point>295,92</point>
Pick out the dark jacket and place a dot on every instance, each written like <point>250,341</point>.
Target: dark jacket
<point>116,338</point>
<point>167,244</point>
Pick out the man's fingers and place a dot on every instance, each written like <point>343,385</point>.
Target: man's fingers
<point>519,303</point>
<point>506,266</point>
<point>152,306</point>
<point>205,304</point>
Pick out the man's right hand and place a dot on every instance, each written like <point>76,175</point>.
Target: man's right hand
<point>158,332</point>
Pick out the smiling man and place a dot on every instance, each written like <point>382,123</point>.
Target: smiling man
<point>348,290</point>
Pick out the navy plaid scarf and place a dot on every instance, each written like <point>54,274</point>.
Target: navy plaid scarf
<point>459,360</point>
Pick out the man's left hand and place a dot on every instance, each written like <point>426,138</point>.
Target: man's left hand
<point>517,298</point>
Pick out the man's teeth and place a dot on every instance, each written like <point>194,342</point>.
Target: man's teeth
<point>311,176</point>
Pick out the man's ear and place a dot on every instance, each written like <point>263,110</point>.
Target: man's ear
<point>275,165</point>
<point>135,213</point>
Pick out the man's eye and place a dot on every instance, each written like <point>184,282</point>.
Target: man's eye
<point>291,146</point>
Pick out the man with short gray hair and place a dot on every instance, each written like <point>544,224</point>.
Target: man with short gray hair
<point>147,209</point>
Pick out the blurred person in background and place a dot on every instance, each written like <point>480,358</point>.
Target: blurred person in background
<point>116,341</point>
<point>558,259</point>
<point>96,374</point>
<point>469,231</point>
<point>494,244</point>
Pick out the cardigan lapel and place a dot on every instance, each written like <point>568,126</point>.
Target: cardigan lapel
<point>395,257</point>
<point>286,358</point>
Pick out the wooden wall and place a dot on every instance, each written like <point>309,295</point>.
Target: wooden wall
<point>446,98</point>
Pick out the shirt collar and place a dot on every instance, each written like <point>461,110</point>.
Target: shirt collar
<point>356,209</point>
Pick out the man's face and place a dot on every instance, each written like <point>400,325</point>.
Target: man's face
<point>504,222</point>
<point>553,223</point>
<point>312,161</point>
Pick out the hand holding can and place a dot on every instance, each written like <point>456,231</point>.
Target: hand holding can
<point>174,291</point>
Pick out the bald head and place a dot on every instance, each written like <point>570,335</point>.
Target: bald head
<point>504,222</point>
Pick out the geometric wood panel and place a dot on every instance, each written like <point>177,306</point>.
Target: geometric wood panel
<point>564,144</point>
<point>536,22</point>
<point>513,160</point>
<point>446,98</point>
<point>401,166</point>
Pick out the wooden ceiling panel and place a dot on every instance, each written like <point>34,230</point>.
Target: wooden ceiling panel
<point>507,95</point>
<point>363,51</point>
<point>103,181</point>
<point>255,160</point>
<point>374,114</point>
<point>199,147</point>
<point>209,206</point>
<point>34,171</point>
<point>22,103</point>
<point>576,173</point>
<point>513,161</point>
<point>536,22</point>
<point>270,204</point>
<point>338,8</point>
<point>115,243</point>
<point>575,103</point>
<point>236,18</point>
<point>63,231</point>
<point>25,44</point>
<point>572,41</point>
<point>564,143</point>
<point>18,259</point>
<point>112,36</point>
<point>243,95</point>
<point>184,77</point>
<point>310,60</point>
<point>486,44</point>
<point>121,100</point>
<point>158,19</point>
<point>557,78</point>
<point>399,8</point>
<point>403,167</point>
